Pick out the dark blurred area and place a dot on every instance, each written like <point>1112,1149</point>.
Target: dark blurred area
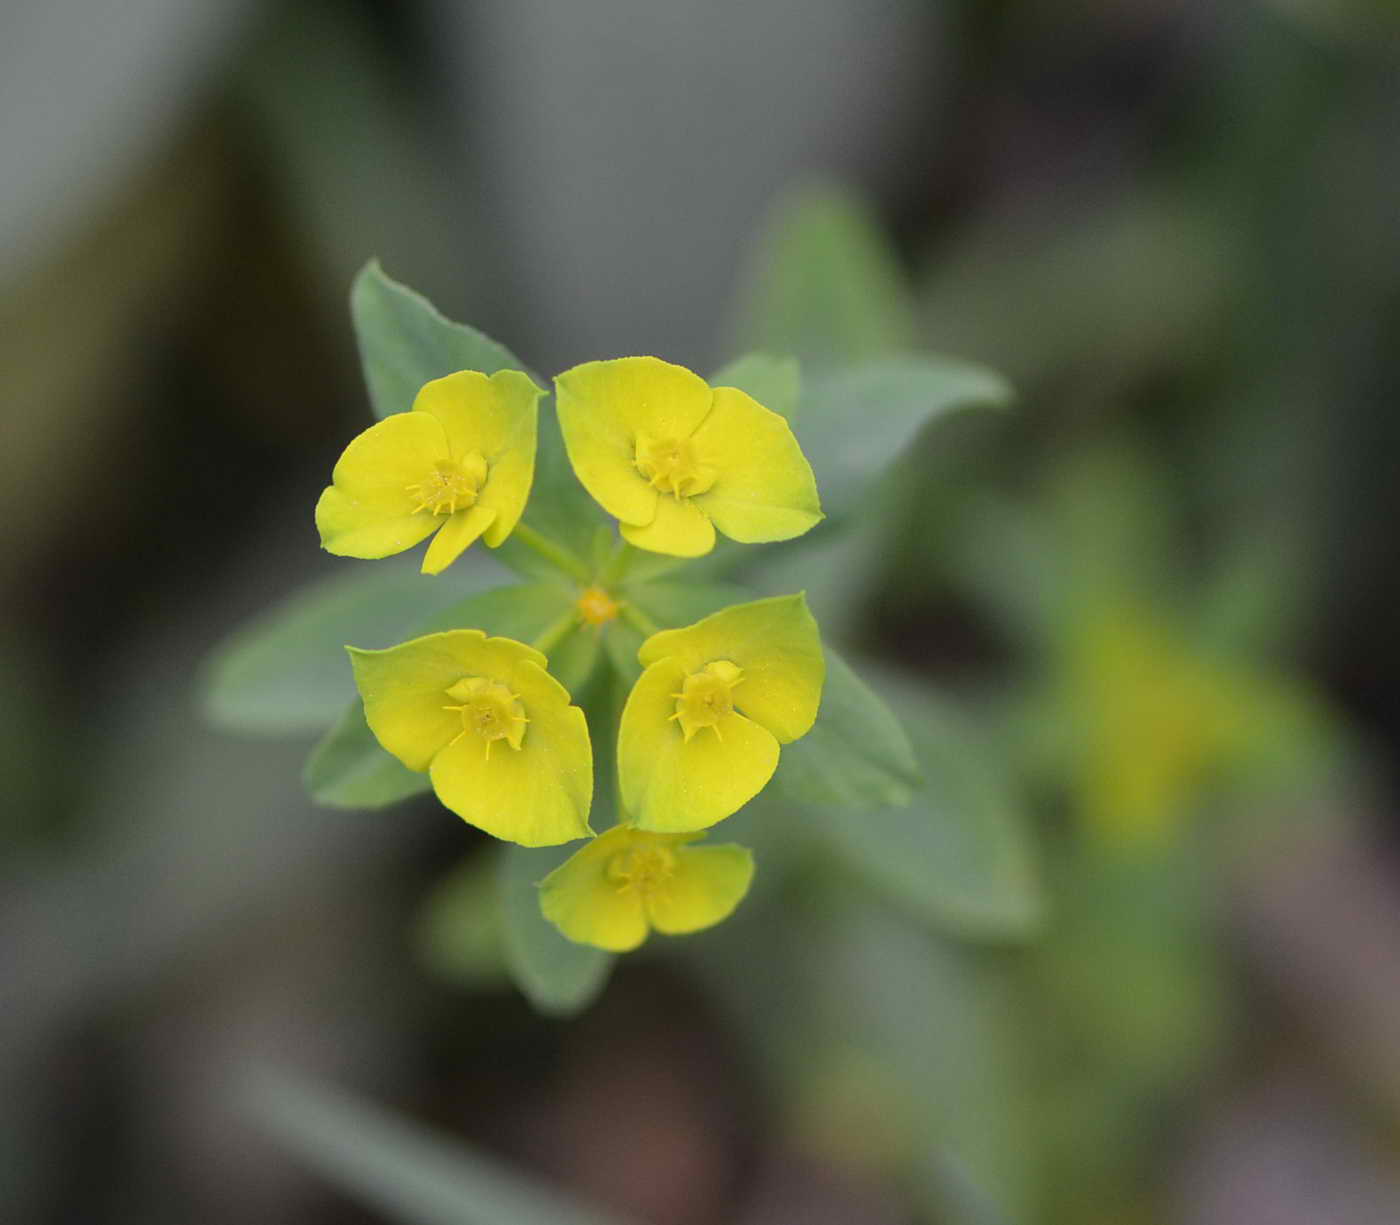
<point>1173,224</point>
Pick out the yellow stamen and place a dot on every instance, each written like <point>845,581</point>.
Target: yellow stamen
<point>597,607</point>
<point>490,711</point>
<point>671,465</point>
<point>452,485</point>
<point>645,869</point>
<point>707,697</point>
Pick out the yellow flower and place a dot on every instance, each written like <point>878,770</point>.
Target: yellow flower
<point>626,881</point>
<point>496,733</point>
<point>1157,720</point>
<point>459,464</point>
<point>673,459</point>
<point>701,729</point>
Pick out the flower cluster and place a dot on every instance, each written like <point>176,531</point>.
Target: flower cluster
<point>673,460</point>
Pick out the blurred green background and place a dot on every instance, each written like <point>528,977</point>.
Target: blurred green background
<point>1154,606</point>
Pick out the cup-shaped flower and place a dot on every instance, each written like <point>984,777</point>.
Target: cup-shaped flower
<point>459,464</point>
<point>701,730</point>
<point>614,890</point>
<point>495,732</point>
<point>673,458</point>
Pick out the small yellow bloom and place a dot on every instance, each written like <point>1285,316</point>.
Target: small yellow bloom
<point>459,464</point>
<point>496,733</point>
<point>626,881</point>
<point>673,459</point>
<point>701,730</point>
<point>596,607</point>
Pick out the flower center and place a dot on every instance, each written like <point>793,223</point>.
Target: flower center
<point>707,696</point>
<point>597,607</point>
<point>452,485</point>
<point>643,868</point>
<point>670,464</point>
<point>489,711</point>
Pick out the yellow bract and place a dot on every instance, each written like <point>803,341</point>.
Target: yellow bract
<point>459,464</point>
<point>496,733</point>
<point>627,881</point>
<point>701,730</point>
<point>674,459</point>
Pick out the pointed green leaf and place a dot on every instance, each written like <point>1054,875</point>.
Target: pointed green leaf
<point>959,853</point>
<point>856,755</point>
<point>775,382</point>
<point>560,507</point>
<point>671,604</point>
<point>574,657</point>
<point>522,611</point>
<point>556,975</point>
<point>408,1173</point>
<point>459,930</point>
<point>828,287</point>
<point>937,1023</point>
<point>621,642</point>
<point>285,671</point>
<point>856,422</point>
<point>404,342</point>
<point>348,769</point>
<point>528,613</point>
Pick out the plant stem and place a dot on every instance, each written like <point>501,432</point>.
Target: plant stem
<point>551,552</point>
<point>639,620</point>
<point>618,565</point>
<point>556,632</point>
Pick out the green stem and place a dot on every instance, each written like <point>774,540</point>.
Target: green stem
<point>639,620</point>
<point>551,552</point>
<point>618,565</point>
<point>556,632</point>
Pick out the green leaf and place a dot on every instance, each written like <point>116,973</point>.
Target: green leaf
<point>828,286</point>
<point>556,975</point>
<point>527,613</point>
<point>775,382</point>
<point>561,509</point>
<point>602,702</point>
<point>459,930</point>
<point>1007,559</point>
<point>573,658</point>
<point>286,671</point>
<point>938,1029</point>
<point>408,1173</point>
<point>856,755</point>
<point>959,853</point>
<point>621,642</point>
<point>404,342</point>
<point>856,422</point>
<point>840,567</point>
<point>348,769</point>
<point>881,1032</point>
<point>672,604</point>
<point>522,611</point>
<point>668,604</point>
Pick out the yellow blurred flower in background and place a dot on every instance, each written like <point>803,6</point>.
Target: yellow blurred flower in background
<point>1157,718</point>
